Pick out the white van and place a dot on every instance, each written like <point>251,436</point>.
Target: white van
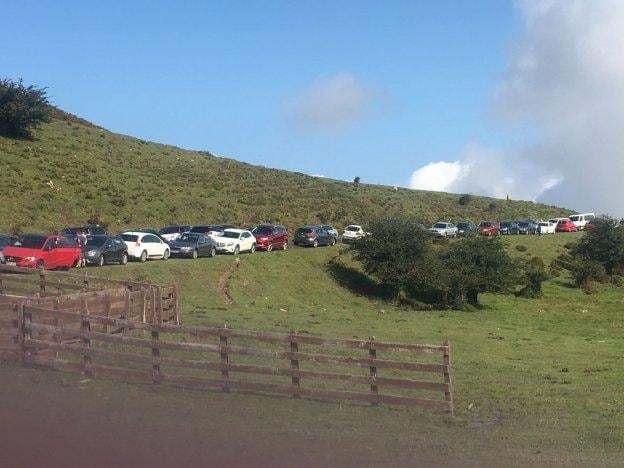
<point>581,219</point>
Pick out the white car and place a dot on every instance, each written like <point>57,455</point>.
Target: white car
<point>143,245</point>
<point>170,233</point>
<point>555,221</point>
<point>546,227</point>
<point>352,232</point>
<point>235,241</point>
<point>581,219</point>
<point>444,229</point>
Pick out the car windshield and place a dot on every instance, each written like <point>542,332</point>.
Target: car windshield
<point>129,237</point>
<point>463,225</point>
<point>262,230</point>
<point>304,230</point>
<point>574,218</point>
<point>352,228</point>
<point>505,224</point>
<point>485,224</point>
<point>95,241</point>
<point>169,230</point>
<point>523,224</point>
<point>31,242</point>
<point>188,238</point>
<point>70,231</point>
<point>4,241</point>
<point>231,234</point>
<point>440,225</point>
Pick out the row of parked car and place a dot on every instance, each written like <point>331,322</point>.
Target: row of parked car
<point>141,244</point>
<point>207,240</point>
<point>572,223</point>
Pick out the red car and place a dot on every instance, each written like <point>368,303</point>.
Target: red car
<point>589,226</point>
<point>489,228</point>
<point>45,252</point>
<point>270,236</point>
<point>565,225</point>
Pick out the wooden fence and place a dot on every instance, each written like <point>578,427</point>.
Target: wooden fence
<point>131,299</point>
<point>201,356</point>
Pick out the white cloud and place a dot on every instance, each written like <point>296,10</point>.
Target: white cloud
<point>330,104</point>
<point>438,176</point>
<point>565,81</point>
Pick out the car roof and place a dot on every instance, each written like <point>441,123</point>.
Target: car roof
<point>138,233</point>
<point>238,231</point>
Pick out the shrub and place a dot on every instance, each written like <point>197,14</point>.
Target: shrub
<point>493,206</point>
<point>465,199</point>
<point>521,248</point>
<point>586,271</point>
<point>22,108</point>
<point>603,244</point>
<point>535,274</point>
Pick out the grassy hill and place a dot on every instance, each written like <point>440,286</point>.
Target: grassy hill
<point>74,172</point>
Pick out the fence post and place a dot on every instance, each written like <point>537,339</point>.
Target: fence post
<point>126,331</point>
<point>225,360</point>
<point>143,305</point>
<point>176,304</point>
<point>42,281</point>
<point>153,300</point>
<point>372,354</point>
<point>107,311</point>
<point>160,305</point>
<point>57,337</point>
<point>294,363</point>
<point>448,394</point>
<point>21,333</point>
<point>85,328</point>
<point>156,355</point>
<point>85,282</point>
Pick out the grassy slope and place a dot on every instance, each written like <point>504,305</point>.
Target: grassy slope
<point>542,374</point>
<point>123,182</point>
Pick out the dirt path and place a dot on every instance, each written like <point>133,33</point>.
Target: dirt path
<point>224,279</point>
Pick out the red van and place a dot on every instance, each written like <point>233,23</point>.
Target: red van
<point>41,251</point>
<point>270,236</point>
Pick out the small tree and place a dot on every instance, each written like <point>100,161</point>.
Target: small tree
<point>535,274</point>
<point>356,180</point>
<point>603,244</point>
<point>465,199</point>
<point>22,108</point>
<point>476,265</point>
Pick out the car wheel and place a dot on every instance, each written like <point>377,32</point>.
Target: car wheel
<point>236,250</point>
<point>195,253</point>
<point>253,248</point>
<point>40,265</point>
<point>213,252</point>
<point>124,259</point>
<point>285,245</point>
<point>269,247</point>
<point>101,260</point>
<point>333,241</point>
<point>166,255</point>
<point>143,256</point>
<point>315,243</point>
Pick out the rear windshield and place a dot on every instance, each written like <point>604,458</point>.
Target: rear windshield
<point>523,224</point>
<point>463,225</point>
<point>70,231</point>
<point>485,224</point>
<point>31,242</point>
<point>505,223</point>
<point>231,234</point>
<point>188,238</point>
<point>440,225</point>
<point>129,237</point>
<point>262,230</point>
<point>169,230</point>
<point>352,228</point>
<point>574,218</point>
<point>95,241</point>
<point>304,230</point>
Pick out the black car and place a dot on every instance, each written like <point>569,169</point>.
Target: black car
<point>88,229</point>
<point>208,229</point>
<point>508,227</point>
<point>313,236</point>
<point>193,245</point>
<point>466,228</point>
<point>527,227</point>
<point>101,250</point>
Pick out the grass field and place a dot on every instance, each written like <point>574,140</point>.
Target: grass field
<point>73,172</point>
<point>541,376</point>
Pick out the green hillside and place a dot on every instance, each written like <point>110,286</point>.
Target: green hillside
<point>73,172</point>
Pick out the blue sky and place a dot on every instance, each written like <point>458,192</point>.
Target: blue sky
<point>232,77</point>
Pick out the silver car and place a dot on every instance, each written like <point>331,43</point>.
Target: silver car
<point>443,229</point>
<point>333,231</point>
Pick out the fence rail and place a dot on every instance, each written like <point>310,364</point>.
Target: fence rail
<point>184,355</point>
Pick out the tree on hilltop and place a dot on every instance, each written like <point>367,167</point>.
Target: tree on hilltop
<point>22,108</point>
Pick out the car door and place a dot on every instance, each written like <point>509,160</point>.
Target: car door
<point>202,246</point>
<point>246,242</point>
<point>48,254</point>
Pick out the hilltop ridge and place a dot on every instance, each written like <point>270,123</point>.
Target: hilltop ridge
<point>75,172</point>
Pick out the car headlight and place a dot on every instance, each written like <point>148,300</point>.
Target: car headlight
<point>185,248</point>
<point>29,259</point>
<point>91,253</point>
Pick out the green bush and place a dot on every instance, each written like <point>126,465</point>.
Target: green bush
<point>586,271</point>
<point>465,199</point>
<point>603,244</point>
<point>535,274</point>
<point>22,108</point>
<point>521,248</point>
